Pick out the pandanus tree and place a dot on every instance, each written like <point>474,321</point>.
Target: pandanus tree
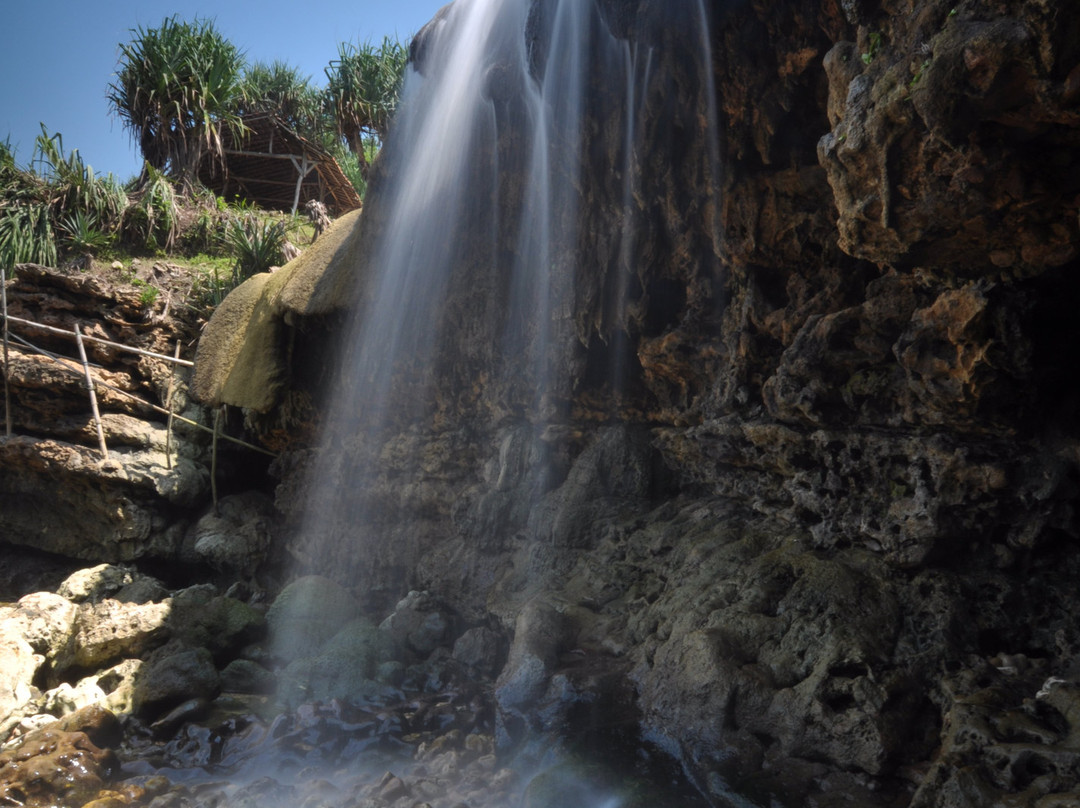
<point>176,86</point>
<point>281,90</point>
<point>363,84</point>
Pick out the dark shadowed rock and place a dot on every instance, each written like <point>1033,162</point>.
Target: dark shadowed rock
<point>172,675</point>
<point>419,624</point>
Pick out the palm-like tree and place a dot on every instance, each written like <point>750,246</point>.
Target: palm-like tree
<point>176,86</point>
<point>362,90</point>
<point>280,89</point>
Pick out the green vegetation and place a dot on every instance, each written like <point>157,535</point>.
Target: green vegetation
<point>915,79</point>
<point>362,91</point>
<point>59,212</point>
<point>152,221</point>
<point>178,84</point>
<point>257,244</point>
<point>178,87</point>
<point>80,234</point>
<point>872,47</point>
<point>181,84</point>
<point>280,90</point>
<point>74,185</point>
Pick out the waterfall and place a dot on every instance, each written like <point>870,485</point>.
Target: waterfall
<point>514,214</point>
<point>527,227</point>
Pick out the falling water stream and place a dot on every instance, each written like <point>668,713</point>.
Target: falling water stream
<point>488,181</point>
<point>518,121</point>
<point>516,117</point>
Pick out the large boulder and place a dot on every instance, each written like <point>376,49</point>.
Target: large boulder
<point>63,764</point>
<point>234,536</point>
<point>18,665</point>
<point>173,675</point>
<point>220,624</point>
<point>239,360</point>
<point>348,667</point>
<point>307,613</point>
<point>110,631</point>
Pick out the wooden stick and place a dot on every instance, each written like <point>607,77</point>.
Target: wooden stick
<point>186,363</point>
<point>7,389</point>
<point>147,404</point>
<point>93,394</point>
<point>213,459</point>
<point>168,405</point>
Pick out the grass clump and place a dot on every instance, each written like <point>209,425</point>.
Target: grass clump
<point>257,244</point>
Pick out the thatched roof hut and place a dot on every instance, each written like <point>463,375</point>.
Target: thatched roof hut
<point>272,166</point>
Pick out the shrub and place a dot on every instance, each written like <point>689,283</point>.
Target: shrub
<point>257,244</point>
<point>26,235</point>
<point>81,234</point>
<point>152,221</point>
<point>74,186</point>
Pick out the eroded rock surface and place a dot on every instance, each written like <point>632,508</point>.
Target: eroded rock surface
<point>58,493</point>
<point>841,461</point>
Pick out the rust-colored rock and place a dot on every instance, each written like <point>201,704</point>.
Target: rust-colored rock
<point>54,767</point>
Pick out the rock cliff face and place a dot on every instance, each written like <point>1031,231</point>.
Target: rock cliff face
<point>57,492</point>
<point>817,536</point>
<point>798,502</point>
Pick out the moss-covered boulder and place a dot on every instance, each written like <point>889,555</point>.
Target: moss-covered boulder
<point>306,614</point>
<point>243,353</point>
<point>347,668</point>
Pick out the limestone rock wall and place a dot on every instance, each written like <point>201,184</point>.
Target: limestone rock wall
<point>57,492</point>
<point>821,546</point>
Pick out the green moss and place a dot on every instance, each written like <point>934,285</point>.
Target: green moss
<point>306,614</point>
<point>872,48</point>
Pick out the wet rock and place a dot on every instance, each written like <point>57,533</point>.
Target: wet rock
<point>420,623</point>
<point>1007,737</point>
<point>221,624</point>
<point>539,633</point>
<point>235,536</point>
<point>344,668</point>
<point>55,767</point>
<point>100,725</point>
<point>617,467</point>
<point>574,783</point>
<point>842,467</point>
<point>190,710</point>
<point>306,614</point>
<point>391,673</point>
<point>264,791</point>
<point>172,675</point>
<point>245,676</point>
<point>480,649</point>
<point>391,788</point>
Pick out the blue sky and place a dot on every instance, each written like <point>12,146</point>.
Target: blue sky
<point>58,57</point>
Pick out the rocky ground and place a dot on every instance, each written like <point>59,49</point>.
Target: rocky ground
<point>118,691</point>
